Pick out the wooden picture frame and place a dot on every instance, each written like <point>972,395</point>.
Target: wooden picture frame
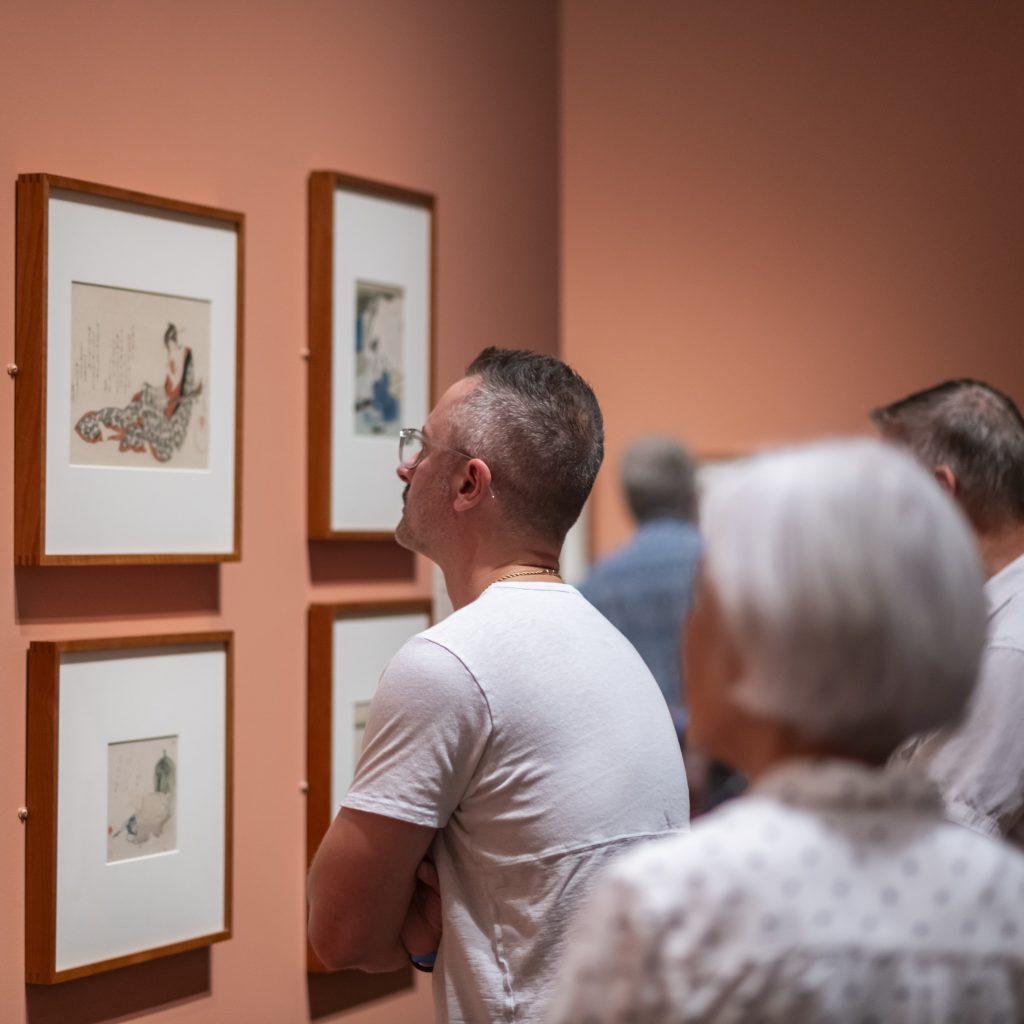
<point>128,398</point>
<point>372,272</point>
<point>138,730</point>
<point>350,644</point>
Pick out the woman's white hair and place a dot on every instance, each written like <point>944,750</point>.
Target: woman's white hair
<point>853,589</point>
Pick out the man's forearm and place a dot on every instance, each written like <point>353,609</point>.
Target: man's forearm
<point>361,886</point>
<point>340,951</point>
<point>384,961</point>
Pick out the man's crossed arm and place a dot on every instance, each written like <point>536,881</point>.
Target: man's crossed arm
<point>368,909</point>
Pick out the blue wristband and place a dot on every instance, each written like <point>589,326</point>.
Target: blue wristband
<point>423,963</point>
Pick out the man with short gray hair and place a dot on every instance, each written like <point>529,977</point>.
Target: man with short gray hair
<point>516,747</point>
<point>972,438</point>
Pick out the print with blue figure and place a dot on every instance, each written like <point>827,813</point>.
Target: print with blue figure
<point>379,373</point>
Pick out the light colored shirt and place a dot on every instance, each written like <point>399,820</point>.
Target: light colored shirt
<point>833,893</point>
<point>979,765</point>
<point>531,734</point>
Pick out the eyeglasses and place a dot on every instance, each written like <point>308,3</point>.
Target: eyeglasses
<point>413,445</point>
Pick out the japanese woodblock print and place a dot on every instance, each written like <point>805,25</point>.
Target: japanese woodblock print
<point>140,367</point>
<point>141,797</point>
<point>379,360</point>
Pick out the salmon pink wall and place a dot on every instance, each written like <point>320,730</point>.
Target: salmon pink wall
<point>776,215</point>
<point>232,103</point>
<point>772,217</point>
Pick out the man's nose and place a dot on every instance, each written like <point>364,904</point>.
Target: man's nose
<point>404,474</point>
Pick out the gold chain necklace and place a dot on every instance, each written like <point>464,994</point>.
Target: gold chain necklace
<point>528,572</point>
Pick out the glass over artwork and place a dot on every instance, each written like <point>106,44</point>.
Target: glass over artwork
<point>379,358</point>
<point>360,716</point>
<point>142,816</point>
<point>140,368</point>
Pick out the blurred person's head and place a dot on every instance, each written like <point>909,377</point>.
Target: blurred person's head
<point>659,479</point>
<point>839,611</point>
<point>972,437</point>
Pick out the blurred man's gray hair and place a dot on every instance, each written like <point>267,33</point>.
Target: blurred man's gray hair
<point>853,588</point>
<point>659,479</point>
<point>975,430</point>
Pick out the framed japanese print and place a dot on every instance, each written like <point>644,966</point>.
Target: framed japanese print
<point>128,835</point>
<point>349,647</point>
<point>371,283</point>
<point>129,356</point>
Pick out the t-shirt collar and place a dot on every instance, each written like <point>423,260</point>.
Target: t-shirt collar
<point>1005,585</point>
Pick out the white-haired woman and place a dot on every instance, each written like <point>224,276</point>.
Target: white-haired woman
<point>840,610</point>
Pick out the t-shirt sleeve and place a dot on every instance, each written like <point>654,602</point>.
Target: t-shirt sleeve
<point>426,732</point>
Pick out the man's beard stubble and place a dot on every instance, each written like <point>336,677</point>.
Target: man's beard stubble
<point>402,536</point>
<point>424,519</point>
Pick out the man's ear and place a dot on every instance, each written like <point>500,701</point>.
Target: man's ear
<point>946,479</point>
<point>472,485</point>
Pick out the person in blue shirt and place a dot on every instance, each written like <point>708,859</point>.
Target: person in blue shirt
<point>644,587</point>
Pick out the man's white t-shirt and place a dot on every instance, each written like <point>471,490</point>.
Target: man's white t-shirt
<point>528,730</point>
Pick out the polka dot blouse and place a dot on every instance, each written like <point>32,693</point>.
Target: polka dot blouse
<point>831,893</point>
